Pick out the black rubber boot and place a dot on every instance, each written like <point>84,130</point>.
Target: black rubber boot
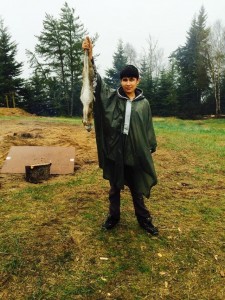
<point>110,222</point>
<point>146,224</point>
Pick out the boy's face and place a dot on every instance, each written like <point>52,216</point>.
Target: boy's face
<point>129,84</point>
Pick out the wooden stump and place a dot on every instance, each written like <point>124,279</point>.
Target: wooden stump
<point>37,173</point>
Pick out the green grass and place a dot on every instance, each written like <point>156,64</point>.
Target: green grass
<point>52,245</point>
<point>67,120</point>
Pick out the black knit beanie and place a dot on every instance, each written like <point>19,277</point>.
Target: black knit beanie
<point>129,71</point>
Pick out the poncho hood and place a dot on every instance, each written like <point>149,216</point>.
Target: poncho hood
<point>138,94</point>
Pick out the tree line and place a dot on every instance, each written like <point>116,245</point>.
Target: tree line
<point>190,84</point>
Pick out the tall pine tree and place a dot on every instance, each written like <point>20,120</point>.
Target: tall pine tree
<point>192,66</point>
<point>147,83</point>
<point>72,31</point>
<point>112,78</point>
<point>10,69</point>
<point>57,58</point>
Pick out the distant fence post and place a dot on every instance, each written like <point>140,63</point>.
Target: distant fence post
<point>7,101</point>
<point>13,99</point>
<point>10,100</point>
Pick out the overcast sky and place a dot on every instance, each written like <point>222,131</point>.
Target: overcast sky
<point>167,21</point>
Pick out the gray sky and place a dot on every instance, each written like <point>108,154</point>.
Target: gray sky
<point>167,21</point>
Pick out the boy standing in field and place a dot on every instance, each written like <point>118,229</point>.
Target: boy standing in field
<point>125,142</point>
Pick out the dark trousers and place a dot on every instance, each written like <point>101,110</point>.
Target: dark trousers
<point>140,209</point>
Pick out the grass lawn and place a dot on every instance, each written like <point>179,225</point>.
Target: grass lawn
<point>52,245</point>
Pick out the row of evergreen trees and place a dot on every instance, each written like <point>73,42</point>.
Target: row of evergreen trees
<point>191,83</point>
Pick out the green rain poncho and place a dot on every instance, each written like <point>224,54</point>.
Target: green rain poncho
<point>124,136</point>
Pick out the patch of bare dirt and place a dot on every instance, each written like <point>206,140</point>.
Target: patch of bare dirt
<point>35,131</point>
<point>4,111</point>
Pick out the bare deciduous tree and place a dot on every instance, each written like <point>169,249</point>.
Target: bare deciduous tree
<point>216,60</point>
<point>131,54</point>
<point>154,57</point>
